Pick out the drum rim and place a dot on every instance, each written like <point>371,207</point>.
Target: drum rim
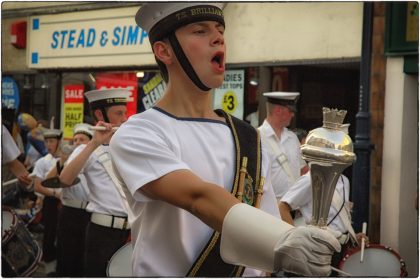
<point>31,269</point>
<point>13,226</point>
<point>352,251</point>
<point>113,256</point>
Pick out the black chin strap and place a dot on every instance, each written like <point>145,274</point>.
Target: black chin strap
<point>105,116</point>
<point>185,64</point>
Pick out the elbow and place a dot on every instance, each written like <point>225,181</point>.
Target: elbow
<point>65,178</point>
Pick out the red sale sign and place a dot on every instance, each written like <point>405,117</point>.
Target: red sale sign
<point>120,80</point>
<point>73,108</point>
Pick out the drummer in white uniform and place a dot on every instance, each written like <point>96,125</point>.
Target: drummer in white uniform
<point>283,145</point>
<point>52,138</point>
<point>108,228</point>
<point>73,218</point>
<point>178,167</point>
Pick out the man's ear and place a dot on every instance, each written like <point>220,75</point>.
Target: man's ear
<point>163,52</point>
<point>98,114</point>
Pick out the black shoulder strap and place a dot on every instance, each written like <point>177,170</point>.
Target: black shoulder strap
<point>247,144</point>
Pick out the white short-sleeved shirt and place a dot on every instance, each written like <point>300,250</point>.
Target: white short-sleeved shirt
<point>44,165</point>
<point>79,192</point>
<point>168,239</point>
<point>299,197</point>
<point>9,149</point>
<point>288,144</point>
<point>103,194</point>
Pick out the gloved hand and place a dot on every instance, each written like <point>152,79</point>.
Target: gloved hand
<point>306,251</point>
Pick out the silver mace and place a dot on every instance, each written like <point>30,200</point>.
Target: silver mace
<point>328,151</point>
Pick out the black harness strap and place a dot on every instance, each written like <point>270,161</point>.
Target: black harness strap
<point>247,144</point>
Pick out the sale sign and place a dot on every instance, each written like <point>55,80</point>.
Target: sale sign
<point>73,108</point>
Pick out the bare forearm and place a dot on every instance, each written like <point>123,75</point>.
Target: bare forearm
<point>73,168</point>
<point>207,201</point>
<point>285,212</point>
<point>41,189</point>
<point>212,206</point>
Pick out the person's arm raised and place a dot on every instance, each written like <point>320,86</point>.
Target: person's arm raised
<point>73,168</point>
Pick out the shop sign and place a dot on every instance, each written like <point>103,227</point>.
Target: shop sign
<point>230,96</point>
<point>120,80</point>
<point>73,108</point>
<point>9,93</point>
<point>108,37</point>
<point>152,90</point>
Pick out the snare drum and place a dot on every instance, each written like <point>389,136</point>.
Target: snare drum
<point>120,263</point>
<point>20,253</point>
<point>378,261</point>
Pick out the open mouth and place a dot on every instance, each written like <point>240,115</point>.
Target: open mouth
<point>218,60</point>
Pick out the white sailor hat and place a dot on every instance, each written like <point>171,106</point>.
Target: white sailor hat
<point>161,18</point>
<point>107,97</point>
<point>83,128</point>
<point>288,99</point>
<point>52,133</point>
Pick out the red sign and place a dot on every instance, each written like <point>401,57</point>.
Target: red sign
<point>120,80</point>
<point>73,93</point>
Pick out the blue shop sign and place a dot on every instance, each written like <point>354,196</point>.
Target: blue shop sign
<point>9,93</point>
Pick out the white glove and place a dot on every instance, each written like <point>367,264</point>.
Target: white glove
<point>253,238</point>
<point>306,251</point>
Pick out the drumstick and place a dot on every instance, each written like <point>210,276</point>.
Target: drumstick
<point>340,271</point>
<point>101,128</point>
<point>14,180</point>
<point>363,241</point>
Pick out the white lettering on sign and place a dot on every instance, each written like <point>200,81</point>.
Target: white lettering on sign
<point>74,94</point>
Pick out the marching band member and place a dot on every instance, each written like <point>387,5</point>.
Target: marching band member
<point>108,228</point>
<point>73,218</point>
<point>181,164</point>
<point>283,145</point>
<point>51,197</point>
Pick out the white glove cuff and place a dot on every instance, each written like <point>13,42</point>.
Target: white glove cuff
<point>249,236</point>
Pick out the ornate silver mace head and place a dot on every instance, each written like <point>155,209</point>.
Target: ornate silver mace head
<point>328,151</point>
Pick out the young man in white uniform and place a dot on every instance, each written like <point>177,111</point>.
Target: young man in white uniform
<point>176,162</point>
<point>282,144</point>
<point>51,201</point>
<point>73,218</point>
<point>108,229</point>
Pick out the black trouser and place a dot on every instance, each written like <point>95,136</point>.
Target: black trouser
<point>49,220</point>
<point>101,243</point>
<point>71,232</point>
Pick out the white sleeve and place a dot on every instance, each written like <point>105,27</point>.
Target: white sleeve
<point>142,154</point>
<point>300,193</point>
<point>10,151</point>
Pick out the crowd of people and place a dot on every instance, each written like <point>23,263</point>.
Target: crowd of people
<point>186,185</point>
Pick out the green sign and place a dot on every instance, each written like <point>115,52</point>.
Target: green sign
<point>402,28</point>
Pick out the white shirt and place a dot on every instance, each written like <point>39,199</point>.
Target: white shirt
<point>299,197</point>
<point>167,239</point>
<point>288,144</point>
<point>78,192</point>
<point>44,165</point>
<point>9,149</point>
<point>103,195</point>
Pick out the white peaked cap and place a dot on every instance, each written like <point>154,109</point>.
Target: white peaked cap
<point>282,95</point>
<point>83,128</point>
<point>52,133</point>
<point>288,99</point>
<point>151,13</point>
<point>107,97</point>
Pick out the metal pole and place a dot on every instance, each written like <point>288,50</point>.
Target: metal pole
<point>362,145</point>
